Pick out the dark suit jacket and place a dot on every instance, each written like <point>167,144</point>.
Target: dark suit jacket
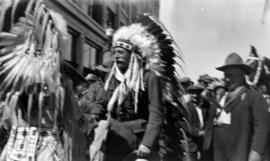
<point>149,109</point>
<point>248,129</point>
<point>196,141</point>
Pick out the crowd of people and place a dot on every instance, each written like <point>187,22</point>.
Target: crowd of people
<point>132,107</point>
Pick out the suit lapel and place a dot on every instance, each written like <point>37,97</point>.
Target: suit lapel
<point>233,97</point>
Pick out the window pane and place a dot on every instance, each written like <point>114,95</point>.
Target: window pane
<point>86,55</point>
<point>67,51</point>
<point>93,57</point>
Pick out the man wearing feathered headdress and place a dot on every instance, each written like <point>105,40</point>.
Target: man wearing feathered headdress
<point>134,96</point>
<point>143,64</point>
<point>33,87</point>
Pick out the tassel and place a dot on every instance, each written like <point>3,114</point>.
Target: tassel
<point>129,72</point>
<point>13,107</point>
<point>29,8</point>
<point>15,5</point>
<point>40,108</point>
<point>113,100</point>
<point>57,105</point>
<point>29,107</point>
<point>135,73</point>
<point>62,100</point>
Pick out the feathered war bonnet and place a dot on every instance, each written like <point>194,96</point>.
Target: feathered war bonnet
<point>30,35</point>
<point>153,48</point>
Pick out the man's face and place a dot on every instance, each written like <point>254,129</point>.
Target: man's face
<point>234,77</point>
<point>195,97</point>
<point>121,57</point>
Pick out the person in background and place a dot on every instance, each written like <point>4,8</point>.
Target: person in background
<point>197,116</point>
<point>241,121</point>
<point>204,80</point>
<point>185,82</point>
<point>104,68</point>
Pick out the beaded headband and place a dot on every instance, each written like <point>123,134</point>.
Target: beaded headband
<point>122,44</point>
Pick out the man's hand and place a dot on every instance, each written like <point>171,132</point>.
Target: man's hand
<point>143,151</point>
<point>254,156</point>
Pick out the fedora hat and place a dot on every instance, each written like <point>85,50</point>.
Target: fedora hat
<point>195,89</point>
<point>205,78</point>
<point>185,80</point>
<point>71,72</point>
<point>233,60</point>
<point>154,156</point>
<point>107,62</point>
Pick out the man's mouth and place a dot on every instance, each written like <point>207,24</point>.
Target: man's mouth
<point>120,61</point>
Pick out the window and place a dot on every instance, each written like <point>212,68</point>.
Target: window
<point>86,55</point>
<point>96,12</point>
<point>90,56</point>
<point>69,51</point>
<point>90,7</point>
<point>111,19</point>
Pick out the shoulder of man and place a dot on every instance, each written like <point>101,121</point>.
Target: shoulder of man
<point>253,91</point>
<point>253,94</point>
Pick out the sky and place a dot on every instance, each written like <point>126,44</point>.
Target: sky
<point>208,30</point>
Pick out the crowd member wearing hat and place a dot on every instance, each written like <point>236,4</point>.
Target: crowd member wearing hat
<point>185,82</point>
<point>92,100</point>
<point>217,89</point>
<point>204,80</point>
<point>104,68</point>
<point>197,115</point>
<point>241,122</point>
<point>93,104</point>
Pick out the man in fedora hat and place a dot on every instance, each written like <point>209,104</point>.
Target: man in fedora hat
<point>105,67</point>
<point>185,82</point>
<point>197,115</point>
<point>204,80</point>
<point>241,121</point>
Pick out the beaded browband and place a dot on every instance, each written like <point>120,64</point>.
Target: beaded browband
<point>122,44</point>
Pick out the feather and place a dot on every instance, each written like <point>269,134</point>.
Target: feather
<point>8,43</point>
<point>29,107</point>
<point>7,35</point>
<point>60,23</point>
<point>29,7</point>
<point>6,4</point>
<point>6,51</point>
<point>15,5</point>
<point>40,108</point>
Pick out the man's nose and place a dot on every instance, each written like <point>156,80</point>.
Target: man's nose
<point>116,55</point>
<point>227,79</point>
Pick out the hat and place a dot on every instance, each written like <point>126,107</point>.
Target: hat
<point>185,80</point>
<point>233,60</point>
<point>91,77</point>
<point>216,84</point>
<point>71,72</point>
<point>133,157</point>
<point>195,89</point>
<point>107,62</point>
<point>205,78</point>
